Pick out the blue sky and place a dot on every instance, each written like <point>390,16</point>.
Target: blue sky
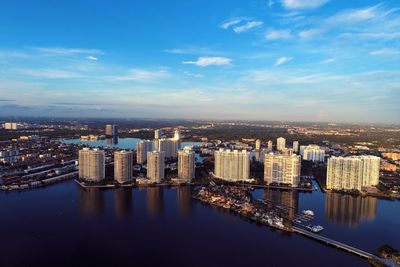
<point>297,60</point>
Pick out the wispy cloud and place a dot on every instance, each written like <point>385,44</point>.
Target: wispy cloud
<point>48,73</point>
<point>249,25</point>
<point>385,52</point>
<point>192,51</point>
<point>303,4</point>
<point>239,25</point>
<point>278,35</point>
<point>191,74</point>
<point>355,15</point>
<point>230,22</point>
<point>142,75</point>
<point>208,61</point>
<point>310,33</point>
<point>67,51</point>
<point>328,60</point>
<point>92,58</point>
<point>282,60</point>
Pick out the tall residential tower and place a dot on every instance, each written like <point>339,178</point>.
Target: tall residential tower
<point>156,166</point>
<point>282,169</point>
<point>123,166</point>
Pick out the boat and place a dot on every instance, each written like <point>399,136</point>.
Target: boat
<point>308,213</point>
<point>315,228</point>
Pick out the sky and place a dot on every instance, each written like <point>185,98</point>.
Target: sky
<point>293,60</point>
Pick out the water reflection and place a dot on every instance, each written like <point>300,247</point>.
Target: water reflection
<point>184,200</point>
<point>91,202</point>
<point>287,201</point>
<point>112,141</point>
<point>123,201</point>
<point>349,210</point>
<point>155,200</point>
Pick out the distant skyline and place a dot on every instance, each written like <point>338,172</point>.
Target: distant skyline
<point>289,60</point>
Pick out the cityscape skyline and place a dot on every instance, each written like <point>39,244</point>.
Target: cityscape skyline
<point>296,60</point>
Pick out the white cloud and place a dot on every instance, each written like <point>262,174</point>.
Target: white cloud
<point>249,25</point>
<point>303,4</point>
<point>228,23</point>
<point>306,34</point>
<point>282,60</point>
<point>354,15</point>
<point>385,52</point>
<point>328,60</point>
<point>196,75</point>
<point>92,58</point>
<point>278,34</point>
<point>142,75</point>
<point>208,61</point>
<point>191,51</point>
<point>67,51</point>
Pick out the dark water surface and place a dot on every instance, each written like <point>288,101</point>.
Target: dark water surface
<point>64,225</point>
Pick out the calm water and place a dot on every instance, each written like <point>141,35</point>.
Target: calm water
<point>124,143</point>
<point>64,225</point>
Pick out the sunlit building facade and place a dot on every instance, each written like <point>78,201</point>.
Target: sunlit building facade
<point>352,173</point>
<point>280,144</point>
<point>91,164</point>
<point>123,166</point>
<point>312,153</point>
<point>156,166</point>
<point>186,164</point>
<point>282,169</point>
<point>143,147</point>
<point>232,165</point>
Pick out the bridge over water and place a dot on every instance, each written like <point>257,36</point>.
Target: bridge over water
<point>343,246</point>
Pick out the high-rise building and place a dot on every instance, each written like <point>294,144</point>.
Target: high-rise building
<point>232,165</point>
<point>280,143</point>
<point>352,173</point>
<point>111,130</point>
<point>186,164</point>
<point>169,146</point>
<point>296,146</point>
<point>282,169</point>
<point>270,145</point>
<point>177,134</point>
<point>91,164</point>
<point>312,153</point>
<point>143,147</point>
<point>258,144</point>
<point>123,166</point>
<point>157,134</point>
<point>287,151</point>
<point>156,166</point>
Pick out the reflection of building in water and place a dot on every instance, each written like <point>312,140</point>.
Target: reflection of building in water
<point>112,141</point>
<point>184,199</point>
<point>155,198</point>
<point>91,201</point>
<point>348,209</point>
<point>288,200</point>
<point>123,201</point>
